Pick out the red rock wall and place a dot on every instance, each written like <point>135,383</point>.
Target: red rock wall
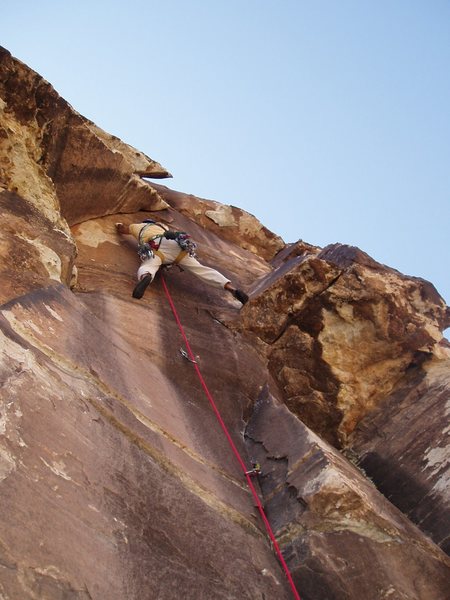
<point>115,478</point>
<point>403,448</point>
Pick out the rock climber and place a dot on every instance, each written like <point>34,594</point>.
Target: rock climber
<point>158,245</point>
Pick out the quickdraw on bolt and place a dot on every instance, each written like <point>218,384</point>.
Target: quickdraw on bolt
<point>185,355</point>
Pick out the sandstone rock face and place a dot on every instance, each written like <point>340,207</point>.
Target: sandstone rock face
<point>115,481</point>
<point>229,222</point>
<point>35,249</point>
<point>404,448</point>
<point>115,478</point>
<point>93,173</point>
<point>341,331</point>
<point>333,522</point>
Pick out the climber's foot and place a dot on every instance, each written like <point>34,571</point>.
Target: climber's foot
<point>141,286</point>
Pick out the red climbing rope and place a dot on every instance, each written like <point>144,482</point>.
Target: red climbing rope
<point>232,445</point>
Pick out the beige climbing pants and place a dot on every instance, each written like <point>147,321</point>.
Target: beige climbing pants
<point>168,252</point>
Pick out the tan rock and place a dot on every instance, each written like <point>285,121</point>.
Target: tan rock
<point>228,222</point>
<point>109,447</point>
<point>34,249</point>
<point>46,146</point>
<point>366,323</point>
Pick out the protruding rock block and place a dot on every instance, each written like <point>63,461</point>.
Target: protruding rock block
<point>341,331</point>
<point>93,173</point>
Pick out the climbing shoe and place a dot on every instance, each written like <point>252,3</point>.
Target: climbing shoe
<point>141,286</point>
<point>240,295</point>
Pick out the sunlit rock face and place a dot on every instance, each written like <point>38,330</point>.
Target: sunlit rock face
<point>46,146</point>
<point>116,480</point>
<point>341,331</point>
<point>229,222</point>
<point>35,249</point>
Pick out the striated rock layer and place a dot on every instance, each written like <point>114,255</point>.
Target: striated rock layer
<point>115,478</point>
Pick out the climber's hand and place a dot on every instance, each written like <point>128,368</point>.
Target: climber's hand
<point>121,228</point>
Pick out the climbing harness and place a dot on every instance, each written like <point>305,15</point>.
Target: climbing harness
<point>150,248</point>
<point>186,243</point>
<point>184,240</point>
<point>191,357</point>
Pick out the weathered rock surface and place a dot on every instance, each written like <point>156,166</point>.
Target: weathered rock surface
<point>229,222</point>
<point>341,331</point>
<point>332,521</point>
<point>34,248</point>
<point>404,448</point>
<point>46,146</point>
<point>115,478</point>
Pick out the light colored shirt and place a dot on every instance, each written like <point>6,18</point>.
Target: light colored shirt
<point>150,232</point>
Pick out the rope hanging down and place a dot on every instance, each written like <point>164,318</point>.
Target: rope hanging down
<point>232,444</point>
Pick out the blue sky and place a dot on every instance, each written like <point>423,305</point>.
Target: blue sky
<point>328,120</point>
